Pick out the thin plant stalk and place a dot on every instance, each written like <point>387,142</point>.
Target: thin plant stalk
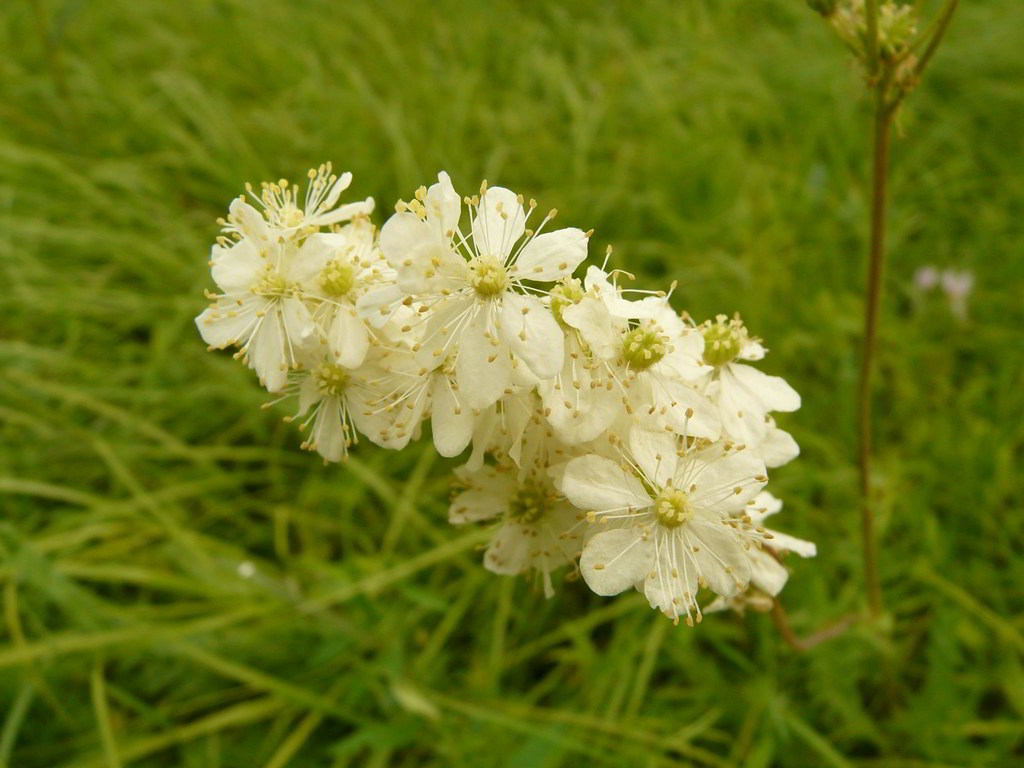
<point>876,256</point>
<point>802,644</point>
<point>885,111</point>
<point>871,17</point>
<point>945,17</point>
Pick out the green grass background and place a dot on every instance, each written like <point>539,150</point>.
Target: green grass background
<point>720,144</point>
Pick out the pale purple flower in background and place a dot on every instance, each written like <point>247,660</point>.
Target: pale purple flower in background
<point>926,278</point>
<point>958,285</point>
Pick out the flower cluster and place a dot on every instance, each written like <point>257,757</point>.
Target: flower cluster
<point>895,41</point>
<point>605,431</point>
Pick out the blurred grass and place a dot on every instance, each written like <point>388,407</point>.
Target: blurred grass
<point>183,587</point>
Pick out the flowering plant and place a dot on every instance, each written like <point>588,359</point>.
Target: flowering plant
<point>605,431</point>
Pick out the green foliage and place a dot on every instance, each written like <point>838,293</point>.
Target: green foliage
<point>183,587</point>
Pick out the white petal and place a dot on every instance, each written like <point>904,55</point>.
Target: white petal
<point>376,306</point>
<point>722,560</point>
<point>726,483</point>
<point>783,542</point>
<point>551,256</point>
<point>413,250</point>
<point>672,584</point>
<point>450,419</point>
<point>328,432</point>
<point>577,412</point>
<point>312,256</point>
<point>533,335</point>
<point>349,340</point>
<point>594,483</point>
<point>407,244</point>
<point>778,447</point>
<point>309,394</point>
<point>771,391</point>
<point>592,319</point>
<point>517,411</point>
<point>298,323</point>
<point>249,221</point>
<point>764,505</point>
<point>343,182</point>
<point>485,425</point>
<point>743,419</point>
<point>228,323</point>
<point>615,560</point>
<point>447,324</point>
<point>443,206</point>
<point>767,573</point>
<point>583,417</point>
<point>389,427</point>
<point>684,361</point>
<point>752,350</point>
<point>717,605</point>
<point>655,454</point>
<point>509,550</point>
<point>687,412</point>
<point>267,351</point>
<point>499,222</point>
<point>596,280</point>
<point>598,284</point>
<point>484,366</point>
<point>236,268</point>
<point>488,496</point>
<point>650,308</point>
<point>344,213</point>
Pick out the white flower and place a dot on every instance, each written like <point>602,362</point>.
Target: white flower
<point>415,393</point>
<point>260,309</point>
<point>767,574</point>
<point>745,395</point>
<point>537,529</point>
<point>641,358</point>
<point>511,428</point>
<point>280,202</point>
<point>333,403</point>
<point>599,419</point>
<point>675,519</point>
<point>575,401</point>
<point>338,269</point>
<point>262,265</point>
<point>477,290</point>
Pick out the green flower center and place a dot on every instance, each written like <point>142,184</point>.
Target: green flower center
<point>487,276</point>
<point>564,294</point>
<point>331,379</point>
<point>530,504</point>
<point>337,278</point>
<point>271,283</point>
<point>723,340</point>
<point>291,216</point>
<point>643,346</point>
<point>672,509</point>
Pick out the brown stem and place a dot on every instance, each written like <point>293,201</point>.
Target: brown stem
<point>883,124</point>
<point>806,643</point>
<point>936,39</point>
<point>871,20</point>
